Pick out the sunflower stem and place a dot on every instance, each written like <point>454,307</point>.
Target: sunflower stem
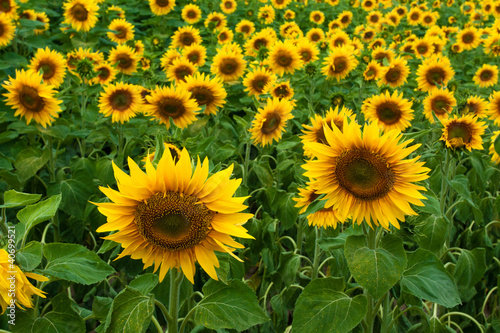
<point>246,162</point>
<point>157,324</point>
<point>371,237</point>
<point>52,161</point>
<point>317,253</point>
<point>300,235</point>
<point>444,184</point>
<point>173,306</point>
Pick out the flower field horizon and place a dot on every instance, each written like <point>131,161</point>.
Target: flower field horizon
<point>249,166</point>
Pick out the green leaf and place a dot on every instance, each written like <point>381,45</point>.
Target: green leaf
<point>496,144</point>
<point>288,267</point>
<point>57,131</point>
<point>30,256</point>
<point>232,306</point>
<point>73,262</point>
<point>333,243</point>
<point>431,204</point>
<point>75,196</point>
<point>376,270</point>
<point>62,319</point>
<point>29,161</point>
<point>32,215</point>
<point>13,198</point>
<point>436,326</point>
<point>323,308</point>
<point>469,269</point>
<point>131,312</point>
<point>432,233</point>
<point>100,307</point>
<point>145,283</point>
<point>264,174</point>
<point>286,211</point>
<point>427,278</point>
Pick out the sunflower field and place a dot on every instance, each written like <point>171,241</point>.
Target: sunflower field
<point>249,166</point>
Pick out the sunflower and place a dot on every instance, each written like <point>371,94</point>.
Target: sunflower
<point>28,14</point>
<point>24,290</point>
<point>486,76</point>
<point>429,19</point>
<point>124,58</point>
<point>338,38</point>
<point>105,73</point>
<point>7,30</point>
<point>344,18</point>
<point>469,38</point>
<point>161,7</point>
<point>414,16</point>
<point>124,31</point>
<point>434,71</point>
<point>225,35</point>
<point>173,217</point>
<point>52,65</point>
<point>174,151</point>
<point>195,53</point>
<point>266,14</point>
<point>245,27</point>
<point>168,58</point>
<point>377,43</point>
<point>339,63</point>
<point>258,41</point>
<point>395,75</point>
<point>326,217</point>
<point>228,6</point>
<point>463,132</point>
<point>308,51</point>
<point>389,112</point>
<point>495,154</point>
<point>393,19</point>
<point>317,17</point>
<point>139,47</point>
<point>186,36</point>
<point>289,14</point>
<point>368,34</point>
<point>374,18</point>
<point>284,58</point>
<point>270,121</point>
<point>256,80</point>
<point>9,8</point>
<point>115,10</point>
<point>364,174</point>
<point>32,98</point>
<point>492,45</point>
<point>280,4</point>
<point>180,69</point>
<point>381,53</point>
<point>191,13</point>
<point>280,90</point>
<point>373,71</point>
<point>167,103</point>
<point>368,5</point>
<point>494,107</point>
<point>81,14</point>
<point>206,91</point>
<point>215,21</point>
<point>475,105</point>
<point>423,47</point>
<point>229,66</point>
<point>401,11</point>
<point>121,101</point>
<point>439,102</point>
<point>315,35</point>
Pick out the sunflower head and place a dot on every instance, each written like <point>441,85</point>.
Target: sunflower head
<point>463,132</point>
<point>270,121</point>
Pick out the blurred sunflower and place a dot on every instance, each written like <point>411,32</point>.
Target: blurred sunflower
<point>215,21</point>
<point>104,74</point>
<point>173,217</point>
<point>229,66</point>
<point>494,107</point>
<point>317,17</point>
<point>374,19</point>
<point>191,13</point>
<point>7,30</point>
<point>289,14</point>
<point>393,19</point>
<point>225,35</point>
<point>195,53</point>
<point>31,98</point>
<point>245,27</point>
<point>463,132</point>
<point>266,14</point>
<point>429,19</point>
<point>338,38</point>
<point>315,35</point>
<point>28,14</point>
<point>124,31</point>
<point>469,38</point>
<point>161,7</point>
<point>167,103</point>
<point>256,80</point>
<point>42,18</point>
<point>307,50</point>
<point>486,76</point>
<point>434,71</point>
<point>345,18</point>
<point>115,10</point>
<point>414,16</point>
<point>168,58</point>
<point>389,112</point>
<point>280,90</point>
<point>439,102</point>
<point>284,58</point>
<point>186,36</point>
<point>364,174</point>
<point>258,41</point>
<point>401,11</point>
<point>373,71</point>
<point>228,6</point>
<point>81,14</point>
<point>24,290</point>
<point>396,74</point>
<point>495,154</point>
<point>174,151</point>
<point>368,5</point>
<point>139,47</point>
<point>51,64</point>
<point>124,58</point>
<point>492,45</point>
<point>280,4</point>
<point>368,34</point>
<point>206,91</point>
<point>270,121</point>
<point>323,218</point>
<point>121,101</point>
<point>180,69</point>
<point>9,8</point>
<point>381,53</point>
<point>475,105</point>
<point>339,63</point>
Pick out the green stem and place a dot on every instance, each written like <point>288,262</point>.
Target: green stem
<point>444,185</point>
<point>402,312</point>
<point>246,162</point>
<point>486,302</point>
<point>371,237</point>
<point>186,319</point>
<point>173,304</point>
<point>385,312</point>
<point>300,230</point>
<point>317,254</point>
<point>157,324</point>
<point>52,162</point>
<point>463,315</point>
<point>163,310</point>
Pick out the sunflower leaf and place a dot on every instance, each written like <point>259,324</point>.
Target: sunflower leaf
<point>29,161</point>
<point>32,215</point>
<point>30,256</point>
<point>432,233</point>
<point>13,198</point>
<point>469,269</point>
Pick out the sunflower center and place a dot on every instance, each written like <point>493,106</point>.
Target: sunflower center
<point>260,42</point>
<point>306,55</point>
<point>282,91</point>
<point>468,38</point>
<point>193,57</point>
<point>283,58</point>
<point>415,16</point>
<point>435,76</point>
<point>459,132</point>
<point>364,174</point>
<point>104,73</point>
<point>472,107</point>
<point>486,75</point>
<point>315,37</point>
<point>317,17</point>
<point>245,29</point>
<point>173,221</point>
<point>259,82</point>
<point>162,3</point>
<point>320,134</point>
<point>228,66</point>
<point>192,14</point>
<point>171,107</point>
<point>29,98</point>
<point>228,5</point>
<point>370,73</point>
<point>339,65</point>
<point>5,6</point>
<point>47,70</point>
<point>121,100</point>
<point>344,19</point>
<point>271,123</point>
<point>223,36</point>
<point>388,113</point>
<point>122,32</point>
<point>79,12</point>
<point>186,38</point>
<point>440,105</point>
<point>2,30</point>
<point>182,71</point>
<point>124,61</point>
<point>202,95</point>
<point>374,18</point>
<point>368,35</point>
<point>427,19</point>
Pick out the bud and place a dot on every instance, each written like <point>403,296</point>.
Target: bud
<point>85,69</point>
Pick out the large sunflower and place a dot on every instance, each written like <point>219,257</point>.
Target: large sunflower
<point>395,75</point>
<point>339,63</point>
<point>228,6</point>
<point>173,217</point>
<point>463,132</point>
<point>439,102</point>
<point>475,105</point>
<point>256,80</point>
<point>469,38</point>
<point>206,91</point>
<point>180,69</point>
<point>32,98</point>
<point>191,13</point>
<point>167,103</point>
<point>228,65</point>
<point>161,7</point>
<point>434,71</point>
<point>270,121</point>
<point>105,73</point>
<point>326,217</point>
<point>245,27</point>
<point>7,30</point>
<point>124,58</point>
<point>486,76</point>
<point>81,14</point>
<point>364,174</point>
<point>51,64</point>
<point>9,8</point>
<point>284,58</point>
<point>186,36</point>
<point>195,53</point>
<point>494,107</point>
<point>389,112</point>
<point>373,71</point>
<point>124,31</point>
<point>121,101</point>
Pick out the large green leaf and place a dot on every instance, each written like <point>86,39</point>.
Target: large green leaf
<point>73,262</point>
<point>32,215</point>
<point>100,307</point>
<point>376,270</point>
<point>232,306</point>
<point>427,278</point>
<point>432,233</point>
<point>75,196</point>
<point>469,269</point>
<point>30,256</point>
<point>323,308</point>
<point>287,212</point>
<point>288,267</point>
<point>29,161</point>
<point>145,283</point>
<point>13,198</point>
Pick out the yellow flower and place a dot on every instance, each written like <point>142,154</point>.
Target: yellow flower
<point>191,13</point>
<point>317,17</point>
<point>434,71</point>
<point>81,14</point>
<point>124,31</point>
<point>463,132</point>
<point>439,102</point>
<point>495,157</point>
<point>494,107</point>
<point>325,217</point>
<point>186,36</point>
<point>476,106</point>
<point>339,63</point>
<point>225,36</point>
<point>469,38</point>
<point>267,14</point>
<point>284,58</point>
<point>389,112</point>
<point>180,69</point>
<point>486,76</point>
<point>51,64</point>
<point>124,58</point>
<point>256,80</point>
<point>172,217</point>
<point>168,58</point>
<point>228,65</point>
<point>246,27</point>
<point>281,90</point>
<point>270,121</point>
<point>121,101</point>
<point>7,30</point>
<point>395,75</point>
<point>206,91</point>
<point>9,8</point>
<point>373,71</point>
<point>315,35</point>
<point>195,53</point>
<point>215,21</point>
<point>161,7</point>
<point>280,4</point>
<point>105,74</point>
<point>228,6</point>
<point>13,280</point>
